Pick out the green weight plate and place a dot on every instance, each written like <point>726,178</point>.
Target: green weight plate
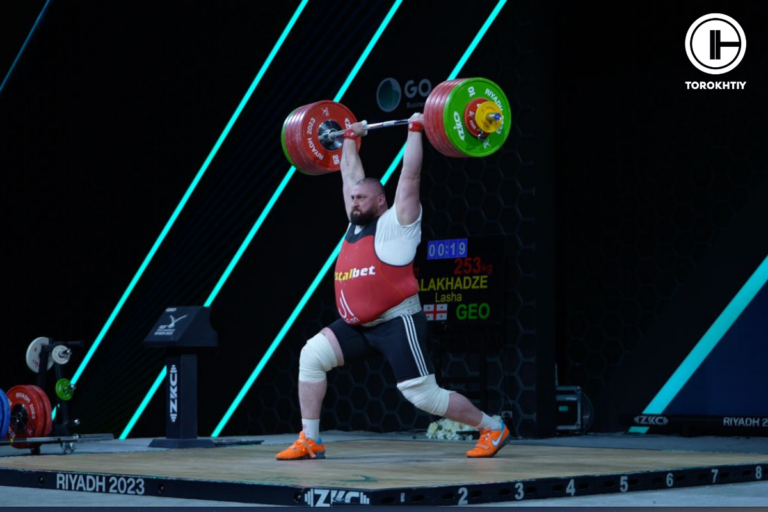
<point>64,389</point>
<point>453,117</point>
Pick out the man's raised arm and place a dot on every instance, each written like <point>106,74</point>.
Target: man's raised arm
<point>407,195</point>
<point>351,165</point>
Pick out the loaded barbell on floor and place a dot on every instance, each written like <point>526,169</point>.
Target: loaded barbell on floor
<point>26,412</point>
<point>466,117</point>
<point>28,415</point>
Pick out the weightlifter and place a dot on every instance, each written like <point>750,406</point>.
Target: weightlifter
<point>377,298</point>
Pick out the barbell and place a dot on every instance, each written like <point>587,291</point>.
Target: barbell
<point>466,117</point>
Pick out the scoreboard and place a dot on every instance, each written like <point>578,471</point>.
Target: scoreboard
<point>461,280</point>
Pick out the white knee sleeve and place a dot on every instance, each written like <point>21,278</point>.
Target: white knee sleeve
<point>317,357</point>
<point>424,393</point>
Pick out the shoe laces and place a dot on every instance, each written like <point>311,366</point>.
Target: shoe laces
<point>485,438</point>
<point>302,443</point>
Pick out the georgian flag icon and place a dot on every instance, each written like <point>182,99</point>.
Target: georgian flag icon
<point>436,312</point>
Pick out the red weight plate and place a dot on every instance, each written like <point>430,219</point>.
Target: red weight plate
<point>23,415</point>
<point>44,406</point>
<point>434,113</point>
<point>307,164</point>
<point>282,139</point>
<point>440,101</point>
<point>46,411</point>
<point>452,151</point>
<point>38,406</point>
<point>27,418</point>
<point>287,136</point>
<point>304,164</point>
<point>469,117</point>
<point>49,414</point>
<point>438,119</point>
<point>291,127</point>
<point>433,122</point>
<point>433,116</point>
<point>328,111</point>
<point>323,160</point>
<point>292,136</point>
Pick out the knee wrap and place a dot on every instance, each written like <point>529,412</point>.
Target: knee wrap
<point>317,357</point>
<point>424,393</point>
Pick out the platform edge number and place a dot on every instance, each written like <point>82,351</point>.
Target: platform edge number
<point>463,493</point>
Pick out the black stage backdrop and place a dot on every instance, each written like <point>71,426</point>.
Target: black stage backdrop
<point>659,188</point>
<point>614,187</point>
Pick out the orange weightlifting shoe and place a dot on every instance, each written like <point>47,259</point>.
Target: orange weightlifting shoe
<point>491,441</point>
<point>303,449</point>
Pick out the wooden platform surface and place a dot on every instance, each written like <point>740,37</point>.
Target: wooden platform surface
<point>380,464</point>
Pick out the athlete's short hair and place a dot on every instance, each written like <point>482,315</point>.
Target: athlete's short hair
<point>373,182</point>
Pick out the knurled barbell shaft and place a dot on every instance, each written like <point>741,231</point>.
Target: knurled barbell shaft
<point>330,135</point>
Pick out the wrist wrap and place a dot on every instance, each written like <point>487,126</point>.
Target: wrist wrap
<point>415,126</point>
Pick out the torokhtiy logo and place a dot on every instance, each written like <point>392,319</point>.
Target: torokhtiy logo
<point>715,44</point>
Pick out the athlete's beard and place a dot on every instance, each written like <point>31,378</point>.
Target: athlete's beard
<point>360,218</point>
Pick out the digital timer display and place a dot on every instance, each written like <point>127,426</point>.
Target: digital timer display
<point>460,284</point>
<point>446,249</point>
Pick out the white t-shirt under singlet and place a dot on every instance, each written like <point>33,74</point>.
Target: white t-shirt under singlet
<point>396,244</point>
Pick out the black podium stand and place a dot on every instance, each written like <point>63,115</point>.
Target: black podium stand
<point>182,332</point>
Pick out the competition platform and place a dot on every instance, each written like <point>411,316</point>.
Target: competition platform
<point>366,469</point>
